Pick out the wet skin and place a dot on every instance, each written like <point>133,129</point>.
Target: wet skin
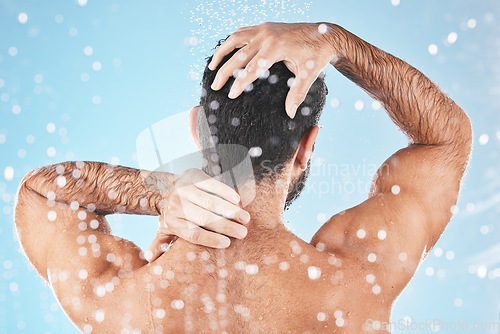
<point>270,281</point>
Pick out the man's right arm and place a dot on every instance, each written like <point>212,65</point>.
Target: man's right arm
<point>414,191</point>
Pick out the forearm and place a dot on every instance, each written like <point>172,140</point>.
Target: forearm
<point>101,187</point>
<point>417,106</point>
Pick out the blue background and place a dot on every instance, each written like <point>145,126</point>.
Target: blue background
<point>56,105</point>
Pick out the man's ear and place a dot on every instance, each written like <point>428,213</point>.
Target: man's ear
<point>193,120</point>
<point>305,148</point>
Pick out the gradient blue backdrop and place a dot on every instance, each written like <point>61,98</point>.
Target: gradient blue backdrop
<point>80,81</point>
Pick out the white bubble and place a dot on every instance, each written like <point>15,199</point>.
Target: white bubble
<point>51,152</point>
<point>320,246</point>
<point>2,83</point>
<point>252,269</point>
<point>382,234</point>
<point>438,252</point>
<point>73,31</point>
<point>88,51</point>
<point>82,3</point>
<point>82,274</point>
<point>376,289</point>
<point>160,313</point>
<point>314,272</point>
<point>61,181</point>
<point>395,189</point>
<point>284,266</point>
<point>96,66</point>
<point>403,256</point>
<point>7,264</point>
<point>12,51</point>
<point>58,19</point>
<point>22,17</point>
<point>321,316</point>
<point>321,217</point>
<point>372,257</point>
<point>483,139</point>
<point>8,173</point>
<point>395,2</point>
<point>96,99</point>
<point>51,215</point>
<point>429,271</point>
<point>177,304</point>
<point>361,233</point>
<point>458,302</point>
<point>16,109</point>
<point>255,152</point>
<point>13,287</point>
<point>484,229</point>
<point>38,78</point>
<point>433,49</point>
<point>370,278</point>
<point>339,322</point>
<point>335,103</point>
<point>84,77</point>
<point>450,255</point>
<point>482,271</point>
<point>452,37</point>
<point>51,127</point>
<point>359,105</point>
<point>99,315</point>
<point>2,138</point>
<point>376,105</point>
<point>322,28</point>
<point>471,23</point>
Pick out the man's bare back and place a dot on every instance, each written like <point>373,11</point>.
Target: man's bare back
<point>269,281</point>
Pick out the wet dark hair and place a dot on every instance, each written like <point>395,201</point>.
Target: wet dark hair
<point>256,120</point>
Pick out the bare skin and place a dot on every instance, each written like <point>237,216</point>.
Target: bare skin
<point>343,281</point>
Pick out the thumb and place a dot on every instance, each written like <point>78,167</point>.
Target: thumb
<point>158,246</point>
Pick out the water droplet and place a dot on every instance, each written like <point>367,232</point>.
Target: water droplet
<point>99,314</point>
<point>361,233</point>
<point>452,37</point>
<point>372,257</point>
<point>370,278</point>
<point>483,139</point>
<point>471,23</point>
<point>314,272</point>
<point>359,105</point>
<point>433,49</point>
<point>8,173</point>
<point>255,152</point>
<point>22,17</point>
<point>88,51</point>
<point>12,51</point>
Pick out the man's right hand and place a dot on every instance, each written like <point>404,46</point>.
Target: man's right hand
<point>200,210</point>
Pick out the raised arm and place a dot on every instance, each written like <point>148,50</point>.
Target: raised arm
<point>414,191</point>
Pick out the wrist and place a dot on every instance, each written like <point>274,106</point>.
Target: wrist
<point>335,38</point>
